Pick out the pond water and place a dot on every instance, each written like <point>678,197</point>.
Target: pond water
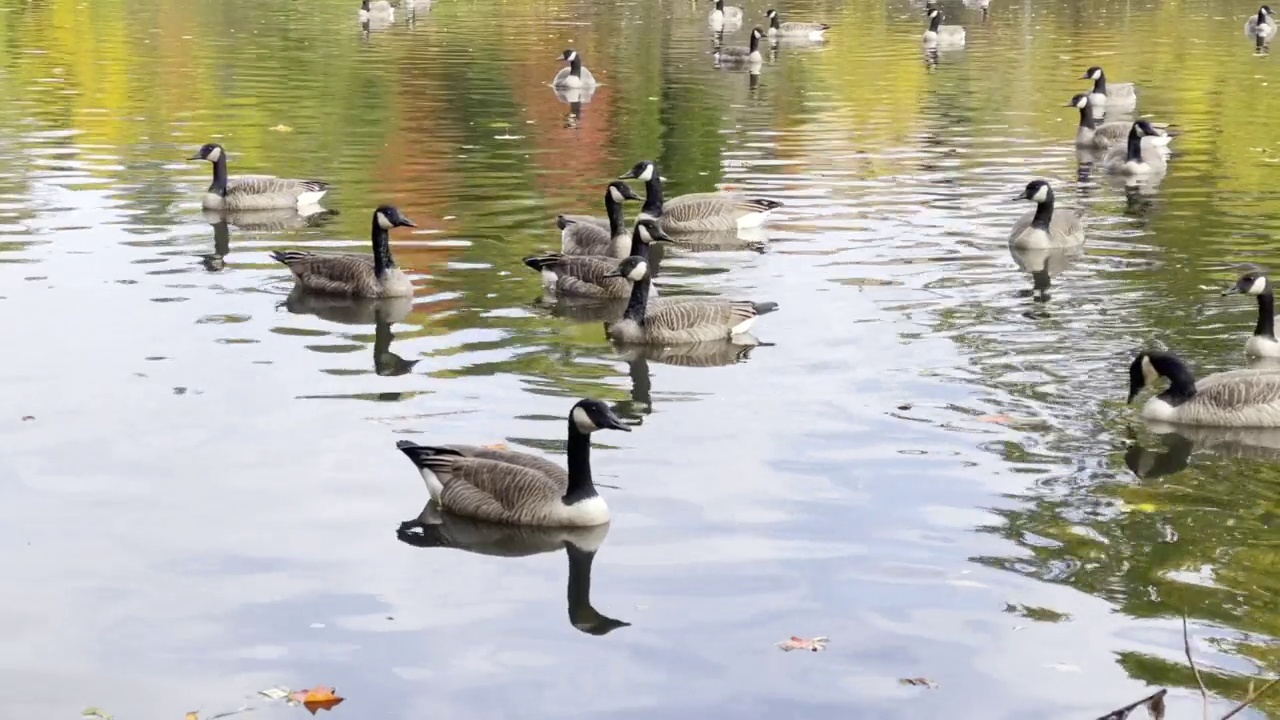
<point>929,461</point>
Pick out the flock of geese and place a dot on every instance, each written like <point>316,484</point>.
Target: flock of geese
<point>600,259</point>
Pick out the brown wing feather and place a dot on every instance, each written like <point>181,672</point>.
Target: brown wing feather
<point>340,273</point>
<point>496,491</point>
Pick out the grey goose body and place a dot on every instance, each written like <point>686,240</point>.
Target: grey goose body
<point>1091,134</point>
<point>1237,398</point>
<point>504,486</point>
<point>942,36</point>
<point>1262,25</point>
<point>697,212</point>
<point>254,192</point>
<point>679,321</point>
<point>607,236</point>
<point>1045,226</point>
<point>725,17</point>
<point>741,56</point>
<point>352,274</point>
<point>1140,155</point>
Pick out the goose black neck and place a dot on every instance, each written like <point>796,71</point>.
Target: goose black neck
<point>1087,120</point>
<point>613,208</point>
<point>720,5</point>
<point>653,195</point>
<point>773,22</point>
<point>382,260</point>
<point>935,22</point>
<point>219,185</point>
<point>1262,19</point>
<point>1100,85</point>
<point>1044,213</point>
<point>580,485</point>
<point>639,297</point>
<point>1134,149</point>
<point>1266,326</point>
<point>1182,384</point>
<point>755,43</point>
<point>575,66</point>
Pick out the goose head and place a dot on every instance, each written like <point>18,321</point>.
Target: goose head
<point>1142,129</point>
<point>211,152</point>
<point>648,232</point>
<point>633,268</point>
<point>1149,366</point>
<point>1092,73</point>
<point>645,170</point>
<point>933,13</point>
<point>569,55</point>
<point>1080,101</point>
<point>1251,283</point>
<point>756,33</point>
<point>620,191</point>
<point>364,5</point>
<point>387,217</point>
<point>590,415</point>
<point>1037,191</point>
<point>1266,10</point>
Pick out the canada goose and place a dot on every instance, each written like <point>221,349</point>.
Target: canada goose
<point>1263,342</point>
<point>574,76</point>
<point>356,275</point>
<point>593,276</point>
<point>1110,96</point>
<point>807,30</point>
<point>376,10</point>
<point>721,16</point>
<point>1262,25</point>
<point>608,236</point>
<point>676,321</point>
<point>1101,136</point>
<point>939,35</point>
<point>1139,155</point>
<point>1042,227</point>
<point>254,192</point>
<point>434,528</point>
<point>508,487</point>
<point>697,212</point>
<point>741,55</point>
<point>1239,398</point>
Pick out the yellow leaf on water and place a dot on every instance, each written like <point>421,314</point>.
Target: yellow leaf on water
<point>192,716</point>
<point>282,128</point>
<point>997,419</point>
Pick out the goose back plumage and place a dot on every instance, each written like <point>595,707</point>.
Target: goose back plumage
<point>795,29</point>
<point>698,212</point>
<point>254,192</point>
<point>580,275</point>
<point>608,236</point>
<point>1108,96</point>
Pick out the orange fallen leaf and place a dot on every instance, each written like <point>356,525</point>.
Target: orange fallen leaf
<point>997,419</point>
<point>799,643</point>
<point>317,698</point>
<point>193,715</point>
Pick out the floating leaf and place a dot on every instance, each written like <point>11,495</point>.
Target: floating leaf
<point>282,128</point>
<point>193,715</point>
<point>274,693</point>
<point>799,643</point>
<point>28,418</point>
<point>317,698</point>
<point>997,419</point>
<point>919,682</point>
<point>94,713</point>
<point>1155,706</point>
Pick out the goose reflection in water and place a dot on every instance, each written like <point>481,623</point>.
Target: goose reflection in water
<point>434,528</point>
<point>1179,442</point>
<point>382,313</point>
<point>257,221</point>
<point>575,98</point>
<point>717,353</point>
<point>1043,264</point>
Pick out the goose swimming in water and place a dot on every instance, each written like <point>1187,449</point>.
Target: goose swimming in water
<point>504,486</point>
<point>697,212</point>
<point>1120,97</point>
<point>378,10</point>
<point>741,56</point>
<point>607,236</point>
<point>1238,398</point>
<point>1263,342</point>
<point>724,17</point>
<point>678,321</point>
<point>1262,25</point>
<point>794,29</point>
<point>254,192</point>
<point>593,276</point>
<point>356,275</point>
<point>1043,228</point>
<point>1140,155</point>
<point>1103,136</point>
<point>574,76</point>
<point>939,35</point>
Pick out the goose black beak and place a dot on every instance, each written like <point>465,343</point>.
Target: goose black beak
<point>405,222</point>
<point>1233,290</point>
<point>628,175</point>
<point>195,157</point>
<point>613,422</point>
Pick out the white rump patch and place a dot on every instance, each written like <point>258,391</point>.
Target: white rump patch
<point>383,222</point>
<point>310,198</point>
<point>588,512</point>
<point>1042,194</point>
<point>743,326</point>
<point>434,486</point>
<point>549,277</point>
<point>583,421</point>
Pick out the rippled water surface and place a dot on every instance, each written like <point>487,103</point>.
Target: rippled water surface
<point>929,461</point>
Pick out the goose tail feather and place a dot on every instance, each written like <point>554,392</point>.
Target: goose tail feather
<point>764,308</point>
<point>539,262</point>
<point>424,456</point>
<point>764,204</point>
<point>563,222</point>
<point>288,257</point>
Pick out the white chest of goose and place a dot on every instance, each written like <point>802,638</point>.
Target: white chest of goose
<point>724,17</point>
<point>504,486</point>
<point>1262,343</point>
<point>575,75</point>
<point>942,36</point>
<point>1262,25</point>
<point>1141,155</point>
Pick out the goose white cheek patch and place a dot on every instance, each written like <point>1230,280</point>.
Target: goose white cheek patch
<point>1259,286</point>
<point>1149,374</point>
<point>1042,194</point>
<point>647,175</point>
<point>214,154</point>
<point>617,196</point>
<point>383,222</point>
<point>583,421</point>
<point>637,273</point>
